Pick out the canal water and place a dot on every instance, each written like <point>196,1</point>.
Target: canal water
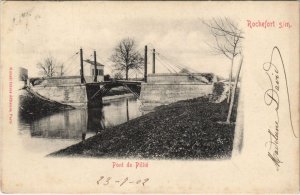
<point>53,132</point>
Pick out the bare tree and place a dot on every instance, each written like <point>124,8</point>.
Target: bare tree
<point>228,38</point>
<point>48,67</point>
<point>238,131</point>
<point>126,56</point>
<point>234,90</point>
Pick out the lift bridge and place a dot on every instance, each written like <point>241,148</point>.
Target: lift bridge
<point>104,87</point>
<point>97,90</point>
<point>79,91</point>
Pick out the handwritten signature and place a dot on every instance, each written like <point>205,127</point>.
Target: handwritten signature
<point>109,180</point>
<point>272,98</point>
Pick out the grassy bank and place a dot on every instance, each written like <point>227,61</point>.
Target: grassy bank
<point>182,130</point>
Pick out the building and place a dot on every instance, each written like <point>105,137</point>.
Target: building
<point>89,71</point>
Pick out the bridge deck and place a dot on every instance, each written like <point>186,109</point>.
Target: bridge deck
<point>117,82</point>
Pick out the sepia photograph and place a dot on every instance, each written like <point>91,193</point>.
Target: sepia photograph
<point>144,92</point>
<point>149,97</point>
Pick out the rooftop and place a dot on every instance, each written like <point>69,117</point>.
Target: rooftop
<point>92,62</point>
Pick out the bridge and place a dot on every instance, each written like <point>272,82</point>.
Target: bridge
<point>105,86</point>
<point>95,91</point>
<point>82,90</point>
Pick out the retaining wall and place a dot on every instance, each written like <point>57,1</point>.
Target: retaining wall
<point>164,89</point>
<point>73,95</point>
<point>69,90</point>
<point>197,78</point>
<point>68,80</point>
<point>55,81</point>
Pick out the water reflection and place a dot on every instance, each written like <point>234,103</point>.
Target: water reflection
<point>80,124</point>
<point>64,125</point>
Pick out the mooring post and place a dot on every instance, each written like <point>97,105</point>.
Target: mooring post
<point>145,60</point>
<point>153,62</point>
<point>81,67</point>
<point>61,70</point>
<point>127,111</point>
<point>96,71</point>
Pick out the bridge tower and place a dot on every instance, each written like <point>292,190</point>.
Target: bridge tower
<point>153,62</point>
<point>95,63</point>
<point>81,67</point>
<point>145,68</point>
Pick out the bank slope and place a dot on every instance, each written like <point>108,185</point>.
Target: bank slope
<point>187,129</point>
<point>33,105</point>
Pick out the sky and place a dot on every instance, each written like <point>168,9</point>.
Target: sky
<point>60,31</point>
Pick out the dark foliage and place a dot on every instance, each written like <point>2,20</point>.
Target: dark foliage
<point>107,77</point>
<point>33,107</point>
<point>218,88</point>
<point>36,81</point>
<point>208,76</point>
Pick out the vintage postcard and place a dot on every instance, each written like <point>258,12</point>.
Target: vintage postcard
<point>149,97</point>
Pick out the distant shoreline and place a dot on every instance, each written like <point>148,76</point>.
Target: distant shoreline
<point>113,97</point>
